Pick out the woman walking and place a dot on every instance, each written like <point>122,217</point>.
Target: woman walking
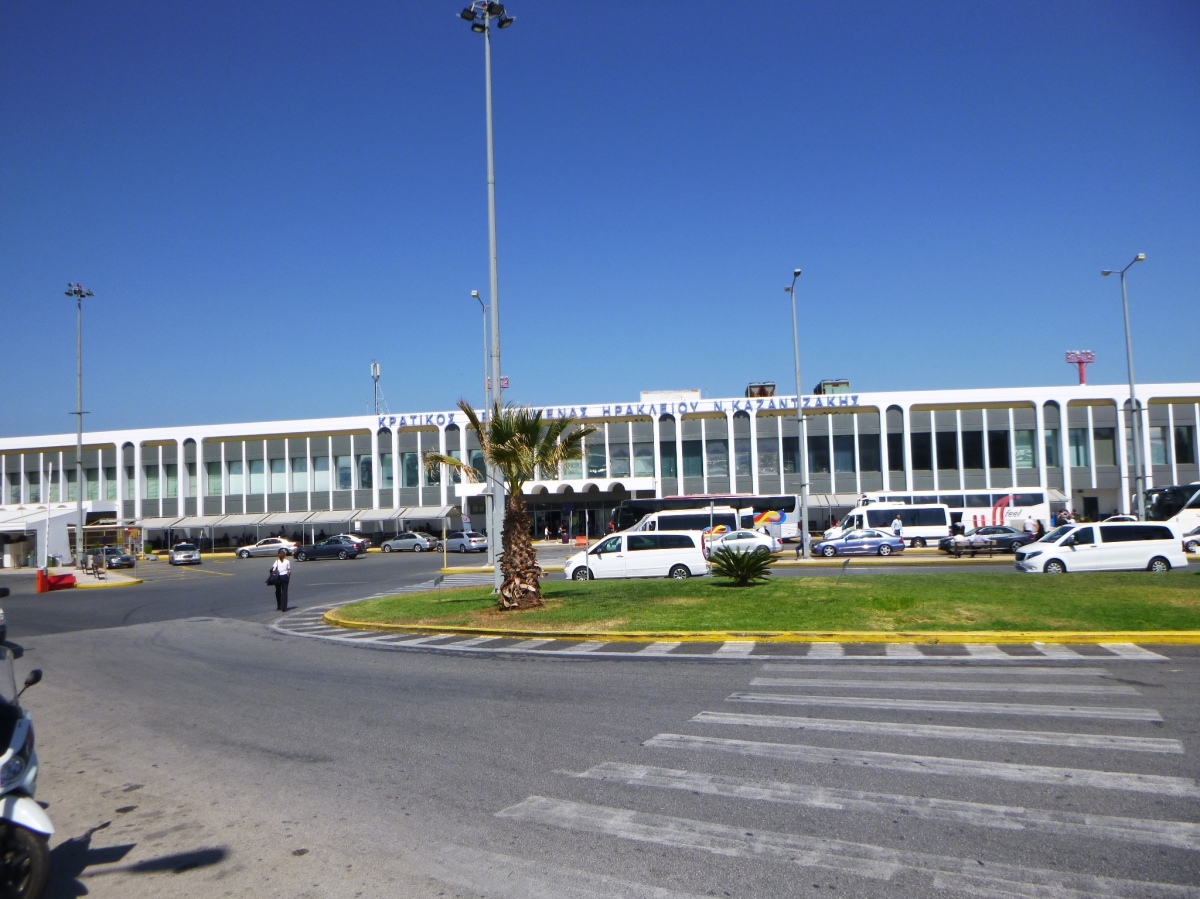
<point>282,569</point>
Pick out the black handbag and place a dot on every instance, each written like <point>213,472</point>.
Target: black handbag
<point>273,578</point>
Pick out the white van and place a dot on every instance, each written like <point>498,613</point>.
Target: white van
<point>1111,546</point>
<point>923,523</point>
<point>644,554</point>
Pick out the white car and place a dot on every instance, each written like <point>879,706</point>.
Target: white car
<point>746,541</point>
<point>1115,546</point>
<point>1191,540</point>
<point>268,546</point>
<point>184,554</point>
<point>640,554</point>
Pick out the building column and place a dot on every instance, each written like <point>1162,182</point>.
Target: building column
<point>679,454</point>
<point>1039,445</point>
<point>962,476</point>
<point>445,472</point>
<point>658,488</point>
<point>731,451</point>
<point>138,478</point>
<point>308,481</point>
<point>397,472</point>
<point>1092,445</point>
<point>906,424</point>
<point>376,468</point>
<point>987,457</point>
<point>704,455</point>
<point>754,454</point>
<point>1064,447</point>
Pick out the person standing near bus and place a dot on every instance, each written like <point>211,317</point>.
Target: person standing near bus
<point>898,526</point>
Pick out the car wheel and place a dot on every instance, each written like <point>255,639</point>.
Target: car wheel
<point>1193,546</point>
<point>1158,564</point>
<point>1016,546</point>
<point>1055,567</point>
<point>462,548</point>
<point>343,555</point>
<point>387,547</point>
<point>680,573</point>
<point>828,552</point>
<point>885,550</point>
<point>417,548</point>
<point>301,557</point>
<point>581,574</point>
<point>919,543</point>
<point>244,554</point>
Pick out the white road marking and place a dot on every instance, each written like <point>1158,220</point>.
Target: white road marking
<point>937,765</point>
<point>588,646</point>
<point>825,651</point>
<point>943,686</point>
<point>956,670</point>
<point>945,732</point>
<point>658,649</point>
<point>874,862</point>
<point>1058,651</point>
<point>1175,834</point>
<point>938,705</point>
<point>986,651</point>
<point>1133,651</point>
<point>527,644</point>
<point>474,641</point>
<point>903,651</point>
<point>735,648</point>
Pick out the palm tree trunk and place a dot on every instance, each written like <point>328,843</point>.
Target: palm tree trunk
<point>521,588</point>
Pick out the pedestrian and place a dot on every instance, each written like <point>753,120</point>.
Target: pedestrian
<point>1041,531</point>
<point>281,568</point>
<point>612,527</point>
<point>1031,528</point>
<point>547,537</point>
<point>898,526</point>
<point>1070,517</point>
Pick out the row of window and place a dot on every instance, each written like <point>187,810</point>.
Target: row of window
<point>33,485</point>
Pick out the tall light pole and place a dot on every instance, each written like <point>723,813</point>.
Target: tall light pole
<point>803,424</point>
<point>1139,474</point>
<point>490,506</point>
<point>481,14</point>
<point>78,291</point>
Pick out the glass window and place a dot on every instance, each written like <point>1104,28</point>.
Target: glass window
<point>642,542</point>
<point>1085,536</point>
<point>1104,440</point>
<point>410,468</point>
<point>34,480</point>
<point>791,455</point>
<point>922,452</point>
<point>385,471</point>
<point>300,474</point>
<point>14,487</point>
<point>212,471</point>
<point>768,456</point>
<point>818,455</point>
<point>998,449</point>
<point>478,464</point>
<point>1185,445</point>
<point>91,480</point>
<point>573,470</point>
<point>1026,449</point>
<point>666,449</point>
<point>718,458</point>
<point>596,464</point>
<point>455,474</point>
<point>73,487</point>
<point>643,460</point>
<point>1078,439</point>
<point>110,482</point>
<point>433,477</point>
<point>364,467</point>
<point>190,487</point>
<point>972,449</point>
<point>895,452</point>
<point>53,488</point>
<point>741,457</point>
<point>947,450</point>
<point>320,473</point>
<point>693,459</point>
<point>611,545</point>
<point>1158,445</point>
<point>843,453</point>
<point>619,459</point>
<point>1053,459</point>
<point>343,467</point>
<point>868,452</point>
<point>258,478</point>
<point>279,475</point>
<point>171,479</point>
<point>149,488</point>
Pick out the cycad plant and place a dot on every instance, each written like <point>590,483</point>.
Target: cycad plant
<point>517,442</point>
<point>743,568</point>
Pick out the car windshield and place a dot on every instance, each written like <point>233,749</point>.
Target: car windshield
<point>472,534</point>
<point>1054,535</point>
<point>183,548</point>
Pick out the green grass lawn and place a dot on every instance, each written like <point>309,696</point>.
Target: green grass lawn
<point>928,602</point>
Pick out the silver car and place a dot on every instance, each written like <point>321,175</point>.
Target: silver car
<point>269,546</point>
<point>413,541</point>
<point>184,554</point>
<point>466,542</point>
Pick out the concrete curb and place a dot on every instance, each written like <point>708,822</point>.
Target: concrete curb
<point>336,620</point>
<point>129,582</point>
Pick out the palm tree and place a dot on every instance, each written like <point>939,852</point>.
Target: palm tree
<point>518,443</point>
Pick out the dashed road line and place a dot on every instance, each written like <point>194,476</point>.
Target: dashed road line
<point>938,705</point>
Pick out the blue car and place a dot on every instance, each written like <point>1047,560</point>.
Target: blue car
<point>862,542</point>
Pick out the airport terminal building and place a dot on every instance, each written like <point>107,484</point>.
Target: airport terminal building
<point>364,472</point>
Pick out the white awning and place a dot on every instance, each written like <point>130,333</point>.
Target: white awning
<point>241,521</point>
<point>334,516</point>
<point>286,518</point>
<point>414,513</point>
<point>156,524</point>
<point>382,514</point>
<point>198,521</point>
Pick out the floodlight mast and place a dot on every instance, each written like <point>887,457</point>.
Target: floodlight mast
<point>78,291</point>
<point>1139,474</point>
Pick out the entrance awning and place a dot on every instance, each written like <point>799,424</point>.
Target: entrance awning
<point>156,524</point>
<point>198,521</point>
<point>285,518</point>
<point>429,512</point>
<point>383,514</point>
<point>335,517</point>
<point>241,521</point>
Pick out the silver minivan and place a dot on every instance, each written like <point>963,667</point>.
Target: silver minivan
<point>1108,546</point>
<point>674,554</point>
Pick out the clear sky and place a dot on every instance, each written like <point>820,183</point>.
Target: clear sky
<point>266,196</point>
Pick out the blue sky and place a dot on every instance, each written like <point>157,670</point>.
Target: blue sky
<point>264,197</point>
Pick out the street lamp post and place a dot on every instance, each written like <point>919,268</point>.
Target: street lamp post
<point>78,291</point>
<point>489,504</point>
<point>803,425</point>
<point>481,14</point>
<point>1139,473</point>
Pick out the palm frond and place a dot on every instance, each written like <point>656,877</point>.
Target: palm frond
<point>434,460</point>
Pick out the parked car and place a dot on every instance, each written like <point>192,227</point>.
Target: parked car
<point>1104,547</point>
<point>184,554</point>
<point>268,546</point>
<point>115,557</point>
<point>466,542</point>
<point>338,547</point>
<point>640,554</point>
<point>413,541</point>
<point>860,542</point>
<point>1120,518</point>
<point>746,541</point>
<point>1191,540</point>
<point>361,543</point>
<point>1006,539</point>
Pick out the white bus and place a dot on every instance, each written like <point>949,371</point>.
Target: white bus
<point>922,523</point>
<point>1178,506</point>
<point>779,514</point>
<point>975,509</point>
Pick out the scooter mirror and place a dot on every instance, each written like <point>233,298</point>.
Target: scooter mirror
<point>35,677</point>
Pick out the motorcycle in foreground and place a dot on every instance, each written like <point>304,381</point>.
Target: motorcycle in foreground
<point>25,829</point>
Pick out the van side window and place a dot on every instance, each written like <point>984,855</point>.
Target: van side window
<point>642,541</point>
<point>1084,537</point>
<point>676,541</point>
<point>611,545</point>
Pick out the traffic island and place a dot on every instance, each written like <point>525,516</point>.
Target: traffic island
<point>934,607</point>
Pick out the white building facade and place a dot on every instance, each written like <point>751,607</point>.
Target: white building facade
<point>1073,443</point>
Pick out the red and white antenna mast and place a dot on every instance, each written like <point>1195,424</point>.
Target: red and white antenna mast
<point>1082,358</point>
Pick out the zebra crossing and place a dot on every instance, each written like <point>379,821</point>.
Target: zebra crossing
<point>904,796</point>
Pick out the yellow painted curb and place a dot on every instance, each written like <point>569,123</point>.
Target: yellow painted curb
<point>125,583</point>
<point>336,620</point>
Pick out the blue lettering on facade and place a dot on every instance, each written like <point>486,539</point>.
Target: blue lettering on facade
<point>382,420</point>
<point>583,411</point>
<point>392,420</point>
<point>718,406</point>
<point>441,419</point>
<point>606,410</point>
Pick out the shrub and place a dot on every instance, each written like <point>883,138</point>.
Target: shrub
<point>743,568</point>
